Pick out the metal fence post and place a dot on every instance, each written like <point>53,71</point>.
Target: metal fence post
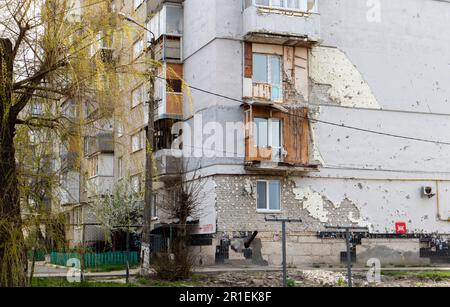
<point>128,255</point>
<point>283,243</point>
<point>349,257</point>
<point>348,231</point>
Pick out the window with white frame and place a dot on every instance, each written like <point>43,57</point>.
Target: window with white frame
<point>138,48</point>
<point>136,142</point>
<point>120,167</point>
<point>136,183</point>
<point>86,143</point>
<point>138,96</point>
<point>36,108</point>
<point>120,130</point>
<point>267,70</point>
<point>268,195</point>
<point>93,167</point>
<point>268,134</point>
<point>298,5</point>
<point>78,216</point>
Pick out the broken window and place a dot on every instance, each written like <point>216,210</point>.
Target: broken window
<point>174,85</point>
<point>268,134</point>
<point>267,76</point>
<point>163,137</point>
<point>268,195</point>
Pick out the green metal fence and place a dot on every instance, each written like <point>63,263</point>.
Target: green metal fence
<point>39,255</point>
<point>92,260</point>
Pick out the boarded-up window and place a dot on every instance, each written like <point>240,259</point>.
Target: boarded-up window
<point>248,69</point>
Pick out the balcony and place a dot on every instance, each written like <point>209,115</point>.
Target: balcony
<point>168,48</point>
<point>70,188</point>
<point>100,185</point>
<point>295,23</point>
<point>101,143</point>
<point>70,161</point>
<point>168,164</point>
<point>167,21</point>
<point>277,141</point>
<point>153,5</point>
<point>169,91</point>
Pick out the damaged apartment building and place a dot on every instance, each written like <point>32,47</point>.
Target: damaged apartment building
<point>332,112</point>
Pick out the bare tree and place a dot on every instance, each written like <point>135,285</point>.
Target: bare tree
<point>182,204</point>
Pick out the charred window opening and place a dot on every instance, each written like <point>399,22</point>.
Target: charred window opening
<point>174,86</point>
<point>164,138</point>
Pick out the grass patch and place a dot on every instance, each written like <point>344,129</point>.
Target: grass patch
<point>167,284</point>
<point>110,268</point>
<point>63,283</point>
<point>435,275</point>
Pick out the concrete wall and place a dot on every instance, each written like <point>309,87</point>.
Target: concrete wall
<point>384,70</point>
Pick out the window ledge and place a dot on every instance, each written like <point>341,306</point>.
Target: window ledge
<point>265,211</point>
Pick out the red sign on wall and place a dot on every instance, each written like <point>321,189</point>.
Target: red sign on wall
<point>400,228</point>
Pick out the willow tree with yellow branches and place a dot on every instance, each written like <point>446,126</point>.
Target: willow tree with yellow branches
<point>46,56</point>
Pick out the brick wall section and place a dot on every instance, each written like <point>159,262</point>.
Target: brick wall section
<point>236,208</point>
<point>237,218</point>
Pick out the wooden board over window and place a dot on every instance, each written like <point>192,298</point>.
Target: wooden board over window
<point>296,131</point>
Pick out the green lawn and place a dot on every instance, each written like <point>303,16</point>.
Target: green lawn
<point>62,282</point>
<point>435,275</point>
<point>110,268</point>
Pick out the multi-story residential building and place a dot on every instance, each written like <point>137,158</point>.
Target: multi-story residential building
<point>332,112</point>
<point>305,73</point>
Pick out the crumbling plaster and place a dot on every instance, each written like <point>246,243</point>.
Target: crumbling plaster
<point>347,87</point>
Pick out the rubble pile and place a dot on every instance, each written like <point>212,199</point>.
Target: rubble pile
<point>325,278</point>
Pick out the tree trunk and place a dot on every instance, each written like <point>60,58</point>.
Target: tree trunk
<point>13,258</point>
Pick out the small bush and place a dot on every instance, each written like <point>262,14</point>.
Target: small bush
<point>172,268</point>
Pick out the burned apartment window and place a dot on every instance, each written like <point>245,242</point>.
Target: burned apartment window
<point>163,137</point>
<point>268,195</point>
<point>267,76</point>
<point>174,85</point>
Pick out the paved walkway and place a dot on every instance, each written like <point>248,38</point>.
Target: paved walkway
<point>52,271</point>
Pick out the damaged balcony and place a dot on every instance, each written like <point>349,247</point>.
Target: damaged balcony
<point>292,23</point>
<point>169,91</point>
<point>277,141</point>
<point>168,161</point>
<point>166,23</point>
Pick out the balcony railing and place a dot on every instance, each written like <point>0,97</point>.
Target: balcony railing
<point>281,18</point>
